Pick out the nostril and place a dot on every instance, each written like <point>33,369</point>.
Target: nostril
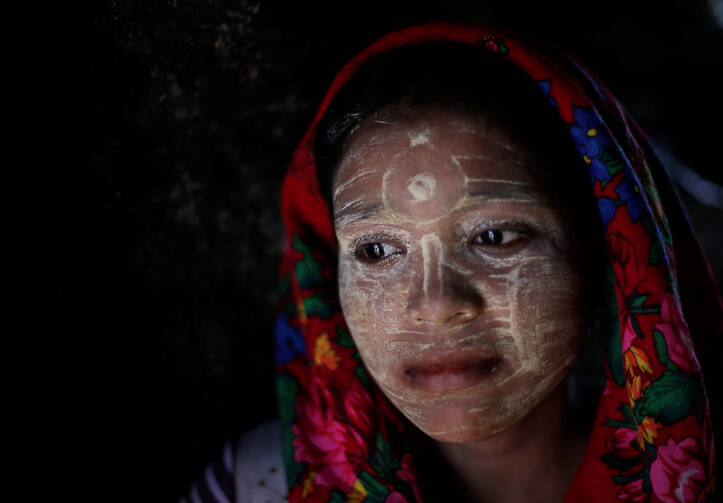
<point>460,316</point>
<point>454,307</point>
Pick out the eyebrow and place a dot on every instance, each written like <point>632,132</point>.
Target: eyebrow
<point>347,217</point>
<point>356,211</point>
<point>503,191</point>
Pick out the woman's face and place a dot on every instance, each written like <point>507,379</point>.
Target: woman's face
<point>458,273</point>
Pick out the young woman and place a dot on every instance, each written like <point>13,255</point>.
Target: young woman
<point>481,299</point>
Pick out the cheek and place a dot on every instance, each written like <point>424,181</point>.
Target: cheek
<point>371,310</point>
<point>547,314</point>
<point>533,313</point>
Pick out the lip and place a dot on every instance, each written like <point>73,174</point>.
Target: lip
<point>453,373</point>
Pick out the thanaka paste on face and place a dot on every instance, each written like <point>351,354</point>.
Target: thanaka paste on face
<point>436,300</point>
<point>422,187</point>
<point>433,277</point>
<point>418,138</point>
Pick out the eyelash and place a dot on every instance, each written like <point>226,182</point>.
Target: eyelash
<point>498,233</point>
<point>363,247</point>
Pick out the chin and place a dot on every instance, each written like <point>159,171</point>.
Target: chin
<point>481,416</point>
<point>460,421</point>
<point>464,436</point>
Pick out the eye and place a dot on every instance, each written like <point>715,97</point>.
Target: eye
<point>497,237</point>
<point>376,252</point>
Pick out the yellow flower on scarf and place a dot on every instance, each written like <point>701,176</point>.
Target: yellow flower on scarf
<point>323,354</point>
<point>637,358</point>
<point>357,493</point>
<point>308,485</point>
<point>647,431</point>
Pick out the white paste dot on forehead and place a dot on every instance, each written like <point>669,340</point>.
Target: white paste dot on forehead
<point>422,187</point>
<point>416,139</point>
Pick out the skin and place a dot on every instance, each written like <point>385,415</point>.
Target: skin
<point>460,283</point>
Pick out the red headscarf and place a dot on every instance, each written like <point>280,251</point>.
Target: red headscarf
<point>652,437</point>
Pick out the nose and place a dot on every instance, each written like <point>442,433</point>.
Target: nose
<point>441,294</point>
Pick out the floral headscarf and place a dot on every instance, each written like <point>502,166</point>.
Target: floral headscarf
<point>652,438</point>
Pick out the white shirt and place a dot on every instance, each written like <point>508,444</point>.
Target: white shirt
<point>259,470</point>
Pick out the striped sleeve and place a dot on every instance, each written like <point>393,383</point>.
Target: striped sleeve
<point>216,485</point>
<point>249,470</point>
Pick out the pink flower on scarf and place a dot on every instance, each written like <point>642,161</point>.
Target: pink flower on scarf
<point>331,434</point>
<point>629,334</point>
<point>633,492</point>
<point>620,443</point>
<point>359,408</point>
<point>610,387</point>
<point>675,331</point>
<point>678,474</point>
<point>395,497</point>
<point>629,270</point>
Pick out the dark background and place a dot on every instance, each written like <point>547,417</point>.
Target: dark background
<point>196,107</point>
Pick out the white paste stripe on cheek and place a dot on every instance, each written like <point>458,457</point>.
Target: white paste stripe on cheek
<point>513,263</point>
<point>501,327</point>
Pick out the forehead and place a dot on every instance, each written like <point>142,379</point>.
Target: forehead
<point>427,161</point>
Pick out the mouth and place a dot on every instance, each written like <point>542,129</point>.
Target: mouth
<point>452,375</point>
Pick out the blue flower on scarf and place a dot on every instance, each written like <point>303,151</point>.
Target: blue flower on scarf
<point>607,209</point>
<point>289,343</point>
<point>631,196</point>
<point>597,169</point>
<point>590,139</point>
<point>545,86</point>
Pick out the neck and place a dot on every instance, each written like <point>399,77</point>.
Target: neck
<point>532,460</point>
